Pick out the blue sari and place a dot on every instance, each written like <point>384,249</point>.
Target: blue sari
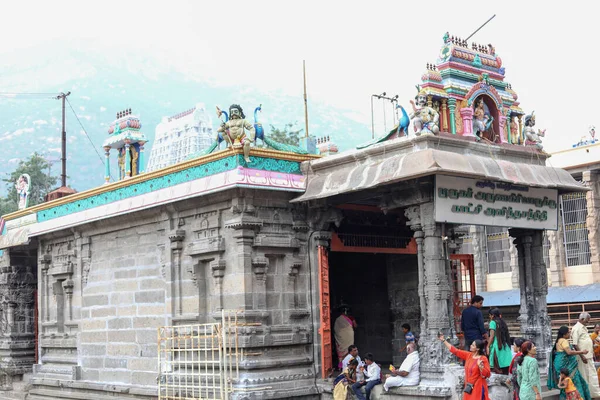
<point>560,360</point>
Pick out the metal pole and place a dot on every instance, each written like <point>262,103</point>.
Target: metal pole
<point>384,122</point>
<point>372,120</point>
<point>305,98</point>
<point>484,24</point>
<point>63,159</point>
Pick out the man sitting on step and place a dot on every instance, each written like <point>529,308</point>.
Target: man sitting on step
<point>408,373</point>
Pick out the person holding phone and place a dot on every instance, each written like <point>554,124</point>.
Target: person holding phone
<point>477,369</point>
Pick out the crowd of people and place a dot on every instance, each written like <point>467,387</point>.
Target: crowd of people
<point>570,367</point>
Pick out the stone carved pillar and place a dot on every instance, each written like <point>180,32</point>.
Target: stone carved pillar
<point>259,287</point>
<point>452,108</point>
<point>467,117</point>
<point>479,241</point>
<point>557,257</point>
<point>413,215</point>
<point>128,172</point>
<point>106,165</point>
<point>590,179</point>
<point>293,300</point>
<point>45,261</point>
<point>430,101</point>
<point>436,291</point>
<point>68,290</point>
<point>218,272</point>
<point>520,133</point>
<point>176,239</point>
<point>444,115</point>
<point>502,123</point>
<point>534,320</point>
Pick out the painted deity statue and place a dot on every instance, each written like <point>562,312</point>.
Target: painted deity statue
<point>237,132</point>
<point>532,138</point>
<point>480,119</point>
<point>23,185</point>
<point>425,118</point>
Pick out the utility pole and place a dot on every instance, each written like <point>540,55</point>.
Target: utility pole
<point>63,158</point>
<point>305,98</point>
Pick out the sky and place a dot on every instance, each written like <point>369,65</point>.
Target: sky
<point>353,49</point>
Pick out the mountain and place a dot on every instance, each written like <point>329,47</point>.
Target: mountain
<point>102,85</point>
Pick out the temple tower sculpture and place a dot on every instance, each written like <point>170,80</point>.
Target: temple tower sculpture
<point>125,137</point>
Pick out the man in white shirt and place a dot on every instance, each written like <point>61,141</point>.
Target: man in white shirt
<point>408,373</point>
<point>352,354</point>
<point>372,377</point>
<point>585,363</point>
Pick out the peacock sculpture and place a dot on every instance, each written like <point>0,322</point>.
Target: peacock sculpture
<point>402,126</point>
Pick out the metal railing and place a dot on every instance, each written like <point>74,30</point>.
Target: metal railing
<point>574,213</point>
<point>199,361</point>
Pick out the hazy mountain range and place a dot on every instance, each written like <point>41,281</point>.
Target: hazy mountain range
<point>103,85</point>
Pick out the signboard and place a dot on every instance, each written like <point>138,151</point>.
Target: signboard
<point>483,202</point>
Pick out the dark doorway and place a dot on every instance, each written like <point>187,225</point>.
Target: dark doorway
<point>361,281</point>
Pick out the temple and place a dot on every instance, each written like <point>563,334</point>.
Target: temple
<point>222,276</point>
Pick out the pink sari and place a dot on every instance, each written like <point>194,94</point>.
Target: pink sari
<point>344,336</point>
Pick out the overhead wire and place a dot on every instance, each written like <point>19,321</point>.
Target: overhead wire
<point>86,134</point>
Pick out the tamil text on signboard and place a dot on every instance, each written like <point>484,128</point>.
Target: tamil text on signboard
<point>483,202</point>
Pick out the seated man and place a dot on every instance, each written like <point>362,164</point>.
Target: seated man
<point>352,354</point>
<point>408,373</point>
<point>371,378</point>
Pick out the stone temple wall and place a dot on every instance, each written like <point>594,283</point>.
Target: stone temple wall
<point>107,286</point>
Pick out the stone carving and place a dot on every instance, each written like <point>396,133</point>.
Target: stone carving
<point>531,137</point>
<point>425,118</point>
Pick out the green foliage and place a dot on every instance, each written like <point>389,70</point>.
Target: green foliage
<point>41,183</point>
<point>287,135</point>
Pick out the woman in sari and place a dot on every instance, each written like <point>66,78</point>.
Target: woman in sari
<point>563,356</point>
<point>477,369</point>
<point>498,347</point>
<point>343,330</point>
<point>342,385</point>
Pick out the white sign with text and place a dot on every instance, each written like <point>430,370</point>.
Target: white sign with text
<point>483,202</point>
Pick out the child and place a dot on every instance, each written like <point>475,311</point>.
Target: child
<point>566,383</point>
<point>408,336</point>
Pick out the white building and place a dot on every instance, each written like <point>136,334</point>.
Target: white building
<point>179,136</point>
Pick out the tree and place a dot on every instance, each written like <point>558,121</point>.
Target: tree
<point>41,183</point>
<point>287,135</point>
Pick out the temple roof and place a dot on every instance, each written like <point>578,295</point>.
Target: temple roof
<point>403,159</point>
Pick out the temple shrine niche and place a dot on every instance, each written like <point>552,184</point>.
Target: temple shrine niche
<point>125,137</point>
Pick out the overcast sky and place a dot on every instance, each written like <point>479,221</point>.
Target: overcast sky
<point>352,48</point>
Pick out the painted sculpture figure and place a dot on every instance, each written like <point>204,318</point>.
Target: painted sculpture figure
<point>481,119</point>
<point>514,130</point>
<point>234,130</point>
<point>23,185</point>
<point>531,137</point>
<point>425,118</point>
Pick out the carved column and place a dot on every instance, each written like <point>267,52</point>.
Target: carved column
<point>141,158</point>
<point>435,288</point>
<point>444,115</point>
<point>68,289</point>
<point>106,165</point>
<point>590,179</point>
<point>430,101</point>
<point>259,287</point>
<point>293,300</point>
<point>176,239</point>
<point>479,241</point>
<point>127,159</point>
<point>508,122</point>
<point>520,133</point>
<point>467,117</point>
<point>502,123</point>
<point>534,320</point>
<point>45,261</point>
<point>452,108</point>
<point>218,272</point>
<point>557,256</point>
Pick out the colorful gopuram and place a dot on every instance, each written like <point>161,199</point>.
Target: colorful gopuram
<point>461,77</point>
